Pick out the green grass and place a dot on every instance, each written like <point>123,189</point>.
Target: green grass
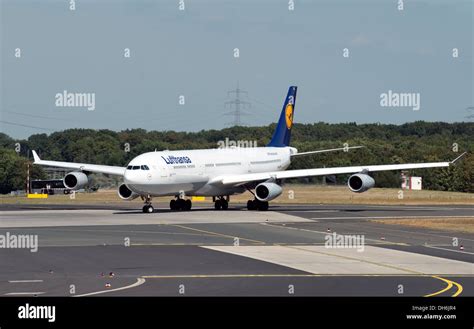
<point>292,193</point>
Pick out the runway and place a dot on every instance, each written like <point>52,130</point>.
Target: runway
<point>282,252</point>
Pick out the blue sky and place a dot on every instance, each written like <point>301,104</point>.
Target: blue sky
<point>190,53</point>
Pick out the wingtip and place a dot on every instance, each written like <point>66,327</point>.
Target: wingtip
<point>458,158</point>
<point>35,156</point>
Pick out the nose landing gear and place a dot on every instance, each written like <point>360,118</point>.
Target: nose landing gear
<point>147,208</point>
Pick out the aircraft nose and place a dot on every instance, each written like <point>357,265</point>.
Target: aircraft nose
<point>130,177</point>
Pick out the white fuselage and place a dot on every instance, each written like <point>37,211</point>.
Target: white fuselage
<point>189,172</point>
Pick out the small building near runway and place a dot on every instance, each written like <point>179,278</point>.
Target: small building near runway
<point>415,183</point>
<point>411,182</point>
<point>49,186</point>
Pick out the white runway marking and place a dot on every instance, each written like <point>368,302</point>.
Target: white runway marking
<point>24,293</point>
<point>400,207</point>
<point>139,282</point>
<point>325,233</point>
<point>313,211</point>
<point>51,218</point>
<point>24,281</point>
<point>425,233</point>
<point>447,249</point>
<point>412,207</point>
<point>393,217</point>
<point>373,260</point>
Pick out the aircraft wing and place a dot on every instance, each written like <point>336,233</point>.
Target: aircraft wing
<point>236,180</point>
<point>111,170</point>
<point>328,150</point>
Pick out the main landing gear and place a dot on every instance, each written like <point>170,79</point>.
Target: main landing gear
<point>180,204</point>
<point>147,208</point>
<point>221,202</point>
<point>257,205</point>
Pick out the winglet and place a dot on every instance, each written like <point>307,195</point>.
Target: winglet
<point>458,158</point>
<point>35,156</point>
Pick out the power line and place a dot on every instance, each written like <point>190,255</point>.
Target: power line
<point>269,107</point>
<point>36,116</point>
<point>27,126</point>
<point>238,105</point>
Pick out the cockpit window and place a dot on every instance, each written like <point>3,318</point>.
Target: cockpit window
<point>142,167</point>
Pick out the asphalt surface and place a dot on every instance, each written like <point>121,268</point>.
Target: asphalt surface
<point>170,253</point>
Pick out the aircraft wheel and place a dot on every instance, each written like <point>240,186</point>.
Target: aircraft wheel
<point>148,209</point>
<point>173,205</point>
<point>224,204</point>
<point>181,204</point>
<point>187,205</point>
<point>262,206</point>
<point>251,205</point>
<point>218,205</point>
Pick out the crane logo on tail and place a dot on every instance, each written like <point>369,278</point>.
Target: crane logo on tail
<point>289,115</point>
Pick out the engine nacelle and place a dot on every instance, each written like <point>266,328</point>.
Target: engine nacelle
<point>267,191</point>
<point>125,193</point>
<point>360,183</point>
<point>75,180</point>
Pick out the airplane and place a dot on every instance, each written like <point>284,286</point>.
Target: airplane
<point>222,172</point>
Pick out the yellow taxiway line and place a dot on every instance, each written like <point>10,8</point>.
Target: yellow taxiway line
<point>449,285</point>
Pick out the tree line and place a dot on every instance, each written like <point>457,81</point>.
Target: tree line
<point>418,141</point>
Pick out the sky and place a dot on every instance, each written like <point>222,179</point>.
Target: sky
<point>189,55</point>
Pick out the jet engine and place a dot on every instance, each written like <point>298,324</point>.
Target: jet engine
<point>360,183</point>
<point>75,180</point>
<point>126,194</point>
<point>267,191</point>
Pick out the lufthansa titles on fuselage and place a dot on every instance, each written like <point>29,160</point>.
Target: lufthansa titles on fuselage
<point>171,159</point>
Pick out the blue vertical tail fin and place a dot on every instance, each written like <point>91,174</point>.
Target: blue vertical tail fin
<point>282,134</point>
